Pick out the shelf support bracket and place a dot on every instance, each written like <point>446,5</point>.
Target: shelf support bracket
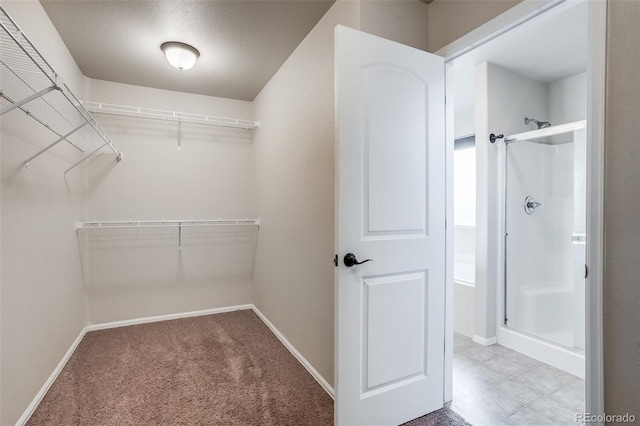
<point>179,135</point>
<point>118,157</point>
<point>63,137</point>
<point>179,235</point>
<point>26,100</point>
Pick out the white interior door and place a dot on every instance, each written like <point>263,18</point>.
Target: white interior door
<point>390,315</point>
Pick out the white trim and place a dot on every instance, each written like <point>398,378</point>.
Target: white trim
<point>510,19</point>
<point>166,317</point>
<point>449,238</point>
<point>596,76</point>
<point>484,340</point>
<point>52,378</point>
<point>306,364</point>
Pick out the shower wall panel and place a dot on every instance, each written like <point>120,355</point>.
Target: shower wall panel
<point>544,296</point>
<point>503,99</point>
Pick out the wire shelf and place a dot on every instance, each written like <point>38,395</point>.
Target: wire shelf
<point>178,117</point>
<point>166,223</point>
<point>29,85</point>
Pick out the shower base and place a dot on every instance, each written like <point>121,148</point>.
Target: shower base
<point>571,361</point>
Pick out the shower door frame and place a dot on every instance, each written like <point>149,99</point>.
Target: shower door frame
<point>552,353</point>
<point>596,66</point>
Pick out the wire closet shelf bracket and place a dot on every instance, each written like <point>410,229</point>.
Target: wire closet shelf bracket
<point>29,84</point>
<point>166,224</point>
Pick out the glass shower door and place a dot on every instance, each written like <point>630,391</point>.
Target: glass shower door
<point>545,210</point>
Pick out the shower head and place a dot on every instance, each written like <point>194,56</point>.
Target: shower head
<point>540,124</point>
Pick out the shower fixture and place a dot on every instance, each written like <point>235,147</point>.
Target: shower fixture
<point>530,205</point>
<point>541,124</point>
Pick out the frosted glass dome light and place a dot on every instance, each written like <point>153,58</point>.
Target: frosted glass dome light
<point>180,55</point>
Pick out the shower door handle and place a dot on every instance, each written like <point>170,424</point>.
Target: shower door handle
<point>350,260</point>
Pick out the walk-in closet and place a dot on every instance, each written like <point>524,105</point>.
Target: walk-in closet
<point>240,212</point>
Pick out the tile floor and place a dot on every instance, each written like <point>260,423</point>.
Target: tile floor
<point>496,386</point>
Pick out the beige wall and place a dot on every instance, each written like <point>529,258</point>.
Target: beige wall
<point>451,19</point>
<point>42,308</point>
<point>294,163</point>
<point>139,273</point>
<point>622,211</point>
<point>404,21</point>
<point>294,172</point>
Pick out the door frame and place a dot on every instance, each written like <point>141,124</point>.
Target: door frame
<point>596,67</point>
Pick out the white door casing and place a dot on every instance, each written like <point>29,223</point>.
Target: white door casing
<point>390,207</point>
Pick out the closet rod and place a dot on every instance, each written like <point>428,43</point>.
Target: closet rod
<point>179,117</point>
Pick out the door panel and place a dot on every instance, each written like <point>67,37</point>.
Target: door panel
<point>390,207</point>
<point>393,329</point>
<point>393,98</point>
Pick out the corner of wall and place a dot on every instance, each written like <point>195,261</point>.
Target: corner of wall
<point>294,193</point>
<point>42,308</point>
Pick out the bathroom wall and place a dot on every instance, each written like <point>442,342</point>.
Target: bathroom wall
<point>139,273</point>
<point>503,99</point>
<point>42,309</point>
<point>540,254</point>
<point>567,99</point>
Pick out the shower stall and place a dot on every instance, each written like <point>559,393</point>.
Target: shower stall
<point>544,200</point>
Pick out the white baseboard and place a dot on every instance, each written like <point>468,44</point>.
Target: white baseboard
<point>103,326</point>
<point>52,378</point>
<point>484,341</point>
<point>306,364</point>
<point>167,317</point>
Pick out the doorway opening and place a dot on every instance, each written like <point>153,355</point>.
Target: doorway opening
<point>519,319</point>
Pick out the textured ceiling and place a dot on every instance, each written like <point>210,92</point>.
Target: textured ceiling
<point>242,43</point>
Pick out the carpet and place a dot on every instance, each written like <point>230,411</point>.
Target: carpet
<point>441,417</point>
<point>223,369</point>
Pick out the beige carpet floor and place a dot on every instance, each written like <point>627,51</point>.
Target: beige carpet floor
<point>215,370</point>
<point>223,369</point>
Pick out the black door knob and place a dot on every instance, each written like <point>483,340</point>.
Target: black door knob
<point>350,260</point>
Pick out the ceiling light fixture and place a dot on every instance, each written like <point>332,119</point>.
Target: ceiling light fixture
<point>180,55</point>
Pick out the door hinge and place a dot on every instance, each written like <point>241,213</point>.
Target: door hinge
<point>335,260</point>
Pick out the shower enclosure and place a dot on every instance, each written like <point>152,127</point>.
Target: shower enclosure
<point>544,240</point>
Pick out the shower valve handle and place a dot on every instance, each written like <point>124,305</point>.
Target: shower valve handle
<point>530,204</point>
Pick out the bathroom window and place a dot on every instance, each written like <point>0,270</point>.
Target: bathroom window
<point>464,182</point>
<point>464,216</point>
